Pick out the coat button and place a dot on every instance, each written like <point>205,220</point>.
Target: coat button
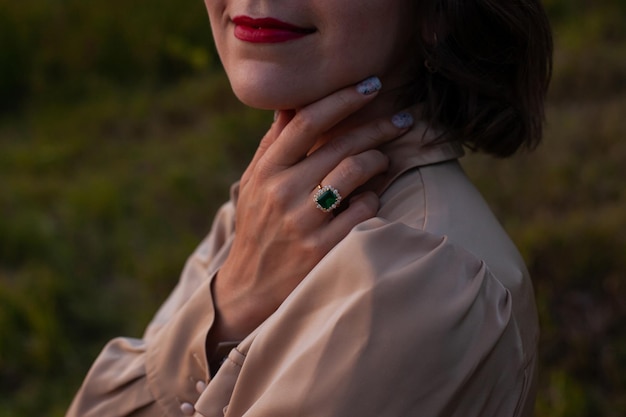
<point>200,386</point>
<point>187,409</point>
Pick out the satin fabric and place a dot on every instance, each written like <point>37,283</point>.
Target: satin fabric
<point>425,310</point>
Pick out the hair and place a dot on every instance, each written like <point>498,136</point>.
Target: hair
<point>485,73</point>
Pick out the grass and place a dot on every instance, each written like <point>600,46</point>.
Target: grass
<point>105,193</point>
<point>101,204</point>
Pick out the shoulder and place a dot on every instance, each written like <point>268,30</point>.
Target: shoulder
<point>467,278</point>
<point>416,267</point>
<point>395,306</point>
<point>438,242</point>
<point>439,201</point>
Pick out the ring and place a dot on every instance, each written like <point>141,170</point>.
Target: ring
<point>327,198</point>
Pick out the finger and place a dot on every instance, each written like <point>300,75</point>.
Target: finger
<point>361,208</point>
<point>350,174</point>
<point>281,119</point>
<point>356,170</point>
<point>299,135</point>
<point>366,137</point>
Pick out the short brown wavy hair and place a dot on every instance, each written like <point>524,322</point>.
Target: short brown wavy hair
<point>485,71</point>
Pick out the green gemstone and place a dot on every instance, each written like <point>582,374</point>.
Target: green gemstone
<point>327,199</point>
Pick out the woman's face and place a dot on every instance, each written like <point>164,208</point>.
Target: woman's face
<point>282,54</point>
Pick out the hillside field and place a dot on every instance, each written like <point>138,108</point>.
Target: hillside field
<point>119,138</point>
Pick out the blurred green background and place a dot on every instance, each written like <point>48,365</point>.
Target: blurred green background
<point>119,138</point>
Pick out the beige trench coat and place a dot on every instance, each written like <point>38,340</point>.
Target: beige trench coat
<point>425,310</point>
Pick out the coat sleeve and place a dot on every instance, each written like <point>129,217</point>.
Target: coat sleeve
<point>133,376</point>
<point>393,322</point>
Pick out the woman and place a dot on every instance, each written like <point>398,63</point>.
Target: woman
<point>355,271</point>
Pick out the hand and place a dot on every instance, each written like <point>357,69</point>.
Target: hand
<point>280,233</point>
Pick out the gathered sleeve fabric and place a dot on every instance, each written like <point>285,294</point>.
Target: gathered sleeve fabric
<point>394,321</point>
<point>159,374</point>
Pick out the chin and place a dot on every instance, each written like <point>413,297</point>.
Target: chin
<point>273,92</point>
<point>281,98</point>
<point>258,99</point>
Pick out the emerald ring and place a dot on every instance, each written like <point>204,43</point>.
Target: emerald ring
<point>327,198</point>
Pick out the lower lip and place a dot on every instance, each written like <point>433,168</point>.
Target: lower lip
<point>266,35</point>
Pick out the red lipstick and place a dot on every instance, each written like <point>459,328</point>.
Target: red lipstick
<point>267,30</point>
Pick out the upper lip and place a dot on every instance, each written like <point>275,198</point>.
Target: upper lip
<point>269,23</point>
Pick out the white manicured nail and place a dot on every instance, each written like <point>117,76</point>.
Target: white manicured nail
<point>369,86</point>
<point>402,120</point>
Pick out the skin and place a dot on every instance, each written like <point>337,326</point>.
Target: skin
<point>352,40</point>
<point>326,132</point>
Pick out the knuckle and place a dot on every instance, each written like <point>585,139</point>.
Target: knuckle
<point>304,121</point>
<point>375,134</point>
<point>378,158</point>
<point>351,169</point>
<point>340,147</point>
<point>344,98</point>
<point>382,129</point>
<point>277,192</point>
<point>313,248</point>
<point>361,210</point>
<point>292,224</point>
<point>364,207</point>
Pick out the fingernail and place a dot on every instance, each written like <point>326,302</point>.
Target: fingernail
<point>402,120</point>
<point>369,86</point>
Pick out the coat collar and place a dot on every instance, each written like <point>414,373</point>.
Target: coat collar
<point>420,146</point>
